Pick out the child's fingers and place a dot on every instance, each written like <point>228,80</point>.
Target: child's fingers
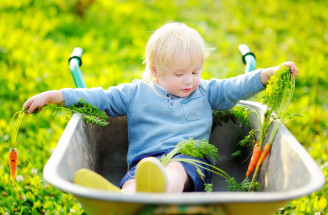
<point>28,103</point>
<point>293,69</point>
<point>35,105</point>
<point>31,104</point>
<point>31,108</point>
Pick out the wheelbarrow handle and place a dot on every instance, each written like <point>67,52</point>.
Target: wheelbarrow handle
<point>77,53</point>
<point>248,58</point>
<point>75,62</point>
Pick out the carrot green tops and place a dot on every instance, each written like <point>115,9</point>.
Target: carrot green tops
<point>158,120</point>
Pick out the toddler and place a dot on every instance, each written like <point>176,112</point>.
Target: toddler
<point>172,103</point>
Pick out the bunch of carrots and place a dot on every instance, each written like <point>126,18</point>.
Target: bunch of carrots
<point>88,112</point>
<point>13,151</point>
<point>277,96</point>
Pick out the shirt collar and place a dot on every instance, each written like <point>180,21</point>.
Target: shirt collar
<point>159,90</point>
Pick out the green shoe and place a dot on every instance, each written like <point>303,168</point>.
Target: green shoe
<point>91,179</point>
<point>150,176</point>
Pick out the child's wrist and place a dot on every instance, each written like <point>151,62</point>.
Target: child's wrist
<point>266,74</point>
<point>56,97</point>
<point>264,77</point>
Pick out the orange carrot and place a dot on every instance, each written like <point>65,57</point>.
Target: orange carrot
<point>255,158</point>
<point>264,153</point>
<point>13,162</point>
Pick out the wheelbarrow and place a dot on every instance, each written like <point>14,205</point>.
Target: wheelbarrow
<point>287,173</point>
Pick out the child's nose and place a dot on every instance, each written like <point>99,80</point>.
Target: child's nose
<point>188,79</point>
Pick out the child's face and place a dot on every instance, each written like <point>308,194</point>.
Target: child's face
<point>181,78</point>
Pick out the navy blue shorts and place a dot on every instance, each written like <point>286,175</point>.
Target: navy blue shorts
<point>198,182</point>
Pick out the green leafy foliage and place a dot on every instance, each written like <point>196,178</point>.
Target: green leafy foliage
<point>279,86</point>
<point>16,120</point>
<point>241,114</point>
<point>243,186</point>
<point>202,149</point>
<point>238,113</point>
<point>193,148</point>
<point>198,149</point>
<point>277,96</point>
<point>89,113</point>
<point>208,187</point>
<point>247,141</point>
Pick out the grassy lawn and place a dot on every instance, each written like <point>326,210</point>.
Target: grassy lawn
<point>37,37</point>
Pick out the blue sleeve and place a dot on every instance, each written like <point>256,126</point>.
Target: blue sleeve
<point>115,100</point>
<point>224,94</point>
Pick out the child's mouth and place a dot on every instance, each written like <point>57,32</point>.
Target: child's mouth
<point>187,89</point>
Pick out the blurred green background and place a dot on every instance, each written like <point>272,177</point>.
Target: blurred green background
<point>37,37</point>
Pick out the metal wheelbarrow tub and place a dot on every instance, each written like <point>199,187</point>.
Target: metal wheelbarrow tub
<point>288,172</point>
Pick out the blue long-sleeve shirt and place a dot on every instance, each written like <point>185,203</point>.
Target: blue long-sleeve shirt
<point>156,119</point>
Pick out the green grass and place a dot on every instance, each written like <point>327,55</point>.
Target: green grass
<point>37,37</point>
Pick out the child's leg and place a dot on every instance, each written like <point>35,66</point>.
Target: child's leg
<point>129,186</point>
<point>178,179</point>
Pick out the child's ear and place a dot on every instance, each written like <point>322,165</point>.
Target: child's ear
<point>153,71</point>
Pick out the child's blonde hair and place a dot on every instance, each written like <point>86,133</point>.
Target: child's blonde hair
<point>170,39</point>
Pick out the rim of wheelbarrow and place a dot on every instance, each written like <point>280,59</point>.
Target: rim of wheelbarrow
<point>49,172</point>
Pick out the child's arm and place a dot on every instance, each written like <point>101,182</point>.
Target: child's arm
<point>39,100</point>
<point>268,72</point>
<point>224,94</point>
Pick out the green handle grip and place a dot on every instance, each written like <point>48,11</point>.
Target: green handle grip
<point>74,65</point>
<point>248,58</point>
<point>250,63</point>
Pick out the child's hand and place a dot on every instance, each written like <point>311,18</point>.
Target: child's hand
<point>38,101</point>
<point>268,72</point>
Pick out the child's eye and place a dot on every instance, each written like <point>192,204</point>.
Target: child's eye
<point>196,71</point>
<point>178,74</point>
